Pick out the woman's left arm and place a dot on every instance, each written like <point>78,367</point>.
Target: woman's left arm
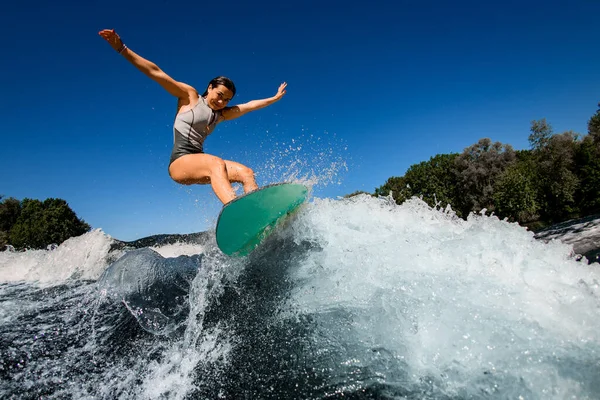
<point>241,109</point>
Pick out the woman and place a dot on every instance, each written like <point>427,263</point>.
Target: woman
<point>196,118</point>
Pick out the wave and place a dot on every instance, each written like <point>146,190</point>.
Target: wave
<point>355,297</point>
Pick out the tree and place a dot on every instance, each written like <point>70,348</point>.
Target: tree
<point>587,161</point>
<point>434,180</point>
<point>398,187</point>
<point>10,209</point>
<point>515,193</point>
<point>9,212</point>
<point>588,173</point>
<point>42,223</point>
<point>477,169</point>
<point>541,132</point>
<point>356,193</point>
<point>557,179</point>
<point>594,126</point>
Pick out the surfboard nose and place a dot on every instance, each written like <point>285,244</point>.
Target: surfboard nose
<point>249,219</point>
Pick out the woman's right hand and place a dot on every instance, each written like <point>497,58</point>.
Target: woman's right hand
<point>112,38</point>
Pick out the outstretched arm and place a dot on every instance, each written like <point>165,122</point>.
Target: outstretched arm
<point>241,109</point>
<point>177,89</point>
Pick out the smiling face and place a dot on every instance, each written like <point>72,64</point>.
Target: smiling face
<point>218,97</point>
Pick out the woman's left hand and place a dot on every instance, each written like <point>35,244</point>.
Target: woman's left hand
<point>112,38</point>
<point>280,91</point>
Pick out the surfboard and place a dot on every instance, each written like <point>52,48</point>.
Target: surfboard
<point>247,220</point>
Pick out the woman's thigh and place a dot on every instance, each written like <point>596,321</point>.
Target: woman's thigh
<point>195,168</point>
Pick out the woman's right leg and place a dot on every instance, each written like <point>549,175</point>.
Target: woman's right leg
<point>237,172</point>
<point>202,169</point>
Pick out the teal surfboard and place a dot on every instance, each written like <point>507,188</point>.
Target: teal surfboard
<point>247,220</point>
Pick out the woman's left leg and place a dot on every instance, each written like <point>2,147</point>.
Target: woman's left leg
<point>237,172</point>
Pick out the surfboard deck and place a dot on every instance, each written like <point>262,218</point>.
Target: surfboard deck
<point>249,219</point>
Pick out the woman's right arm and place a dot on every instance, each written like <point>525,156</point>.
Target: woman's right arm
<point>178,89</point>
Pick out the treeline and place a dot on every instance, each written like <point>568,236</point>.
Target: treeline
<point>35,224</point>
<point>557,179</point>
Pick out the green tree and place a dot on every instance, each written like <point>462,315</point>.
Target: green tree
<point>42,223</point>
<point>594,126</point>
<point>397,186</point>
<point>558,178</point>
<point>515,193</point>
<point>356,193</point>
<point>558,182</point>
<point>588,172</point>
<point>541,132</point>
<point>588,167</point>
<point>477,169</point>
<point>434,180</point>
<point>10,209</point>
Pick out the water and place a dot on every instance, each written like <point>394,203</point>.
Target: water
<point>353,298</point>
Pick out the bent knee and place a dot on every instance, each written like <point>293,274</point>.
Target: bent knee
<point>218,167</point>
<point>246,174</point>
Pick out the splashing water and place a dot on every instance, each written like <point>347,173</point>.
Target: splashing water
<point>82,257</point>
<point>356,298</point>
<point>312,159</point>
<point>465,308</point>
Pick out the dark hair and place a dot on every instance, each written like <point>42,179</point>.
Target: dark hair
<point>220,80</point>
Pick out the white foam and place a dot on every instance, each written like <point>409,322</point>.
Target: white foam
<point>82,257</point>
<point>450,297</point>
<point>179,249</point>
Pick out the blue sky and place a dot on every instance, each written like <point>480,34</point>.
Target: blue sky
<point>377,86</point>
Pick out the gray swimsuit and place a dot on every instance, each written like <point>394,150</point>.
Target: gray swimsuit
<point>191,128</point>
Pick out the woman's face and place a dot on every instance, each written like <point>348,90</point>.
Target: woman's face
<point>218,97</point>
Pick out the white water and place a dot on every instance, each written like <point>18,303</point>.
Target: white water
<point>450,298</point>
<point>424,299</point>
<point>82,257</point>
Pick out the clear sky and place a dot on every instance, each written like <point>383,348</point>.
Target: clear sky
<point>373,87</point>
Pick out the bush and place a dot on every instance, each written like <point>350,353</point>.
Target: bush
<point>40,224</point>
